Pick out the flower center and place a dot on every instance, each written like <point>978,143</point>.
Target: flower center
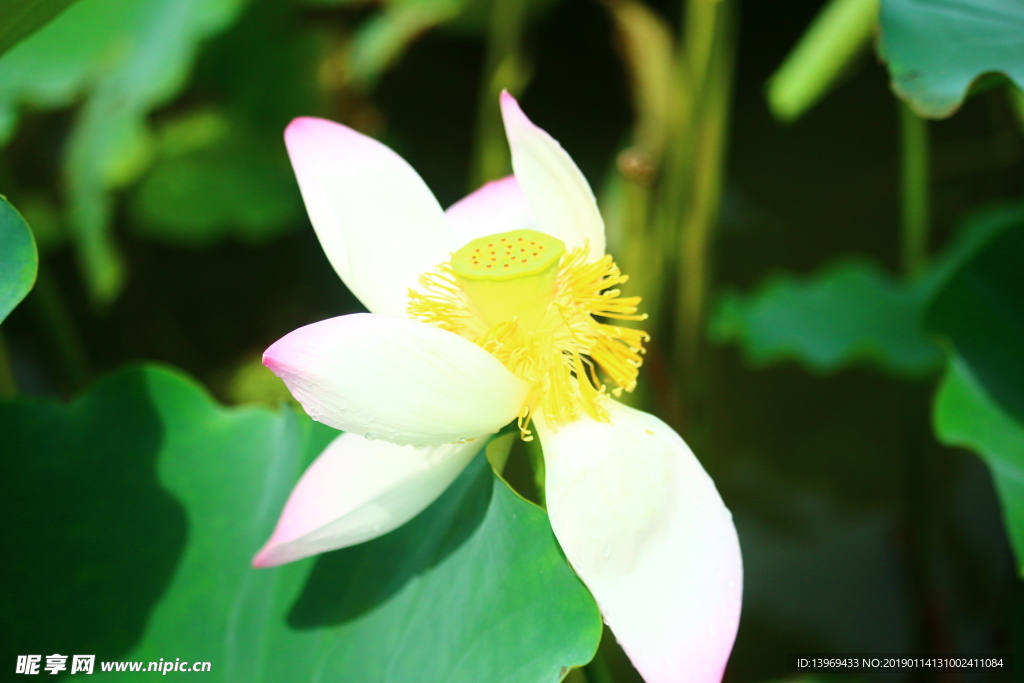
<point>535,307</point>
<point>510,275</point>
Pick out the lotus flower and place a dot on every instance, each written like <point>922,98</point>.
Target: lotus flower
<point>486,314</point>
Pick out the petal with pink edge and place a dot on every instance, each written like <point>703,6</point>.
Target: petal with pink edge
<point>377,221</point>
<point>498,206</point>
<point>558,193</point>
<point>396,379</point>
<point>645,529</point>
<point>357,490</point>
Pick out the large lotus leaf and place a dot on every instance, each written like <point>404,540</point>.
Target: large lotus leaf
<point>128,57</point>
<point>936,49</point>
<point>965,415</point>
<point>93,537</point>
<point>19,18</point>
<point>18,258</point>
<point>846,313</point>
<point>475,588</point>
<point>980,308</point>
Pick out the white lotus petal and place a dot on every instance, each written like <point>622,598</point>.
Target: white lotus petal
<point>377,221</point>
<point>396,379</point>
<point>498,206</point>
<point>644,527</point>
<point>559,195</point>
<point>357,490</point>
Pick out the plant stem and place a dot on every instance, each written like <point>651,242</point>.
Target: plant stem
<point>503,70</point>
<point>915,193</point>
<point>707,165</point>
<point>932,633</point>
<point>8,385</point>
<point>701,19</point>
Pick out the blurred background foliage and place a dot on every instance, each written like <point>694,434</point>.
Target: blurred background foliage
<point>821,204</point>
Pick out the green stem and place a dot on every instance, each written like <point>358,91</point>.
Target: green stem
<point>640,256</point>
<point>503,70</point>
<point>8,386</point>
<point>707,165</point>
<point>915,198</point>
<point>841,31</point>
<point>700,20</point>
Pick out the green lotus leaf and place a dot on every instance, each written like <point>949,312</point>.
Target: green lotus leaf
<point>937,50</point>
<point>18,258</point>
<point>148,500</point>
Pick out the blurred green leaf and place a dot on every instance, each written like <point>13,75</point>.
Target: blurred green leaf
<point>19,260</point>
<point>252,382</point>
<point>19,18</point>
<point>853,311</point>
<point>128,57</point>
<point>965,415</point>
<point>980,308</point>
<point>212,182</point>
<point>838,34</point>
<point>336,3</point>
<point>263,89</point>
<point>936,49</point>
<point>845,313</point>
<point>474,588</point>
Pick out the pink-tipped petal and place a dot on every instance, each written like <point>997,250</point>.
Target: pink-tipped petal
<point>357,490</point>
<point>377,221</point>
<point>498,206</point>
<point>559,195</point>
<point>644,527</point>
<point>396,379</point>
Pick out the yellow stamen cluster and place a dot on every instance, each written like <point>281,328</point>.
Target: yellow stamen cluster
<point>548,335</point>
